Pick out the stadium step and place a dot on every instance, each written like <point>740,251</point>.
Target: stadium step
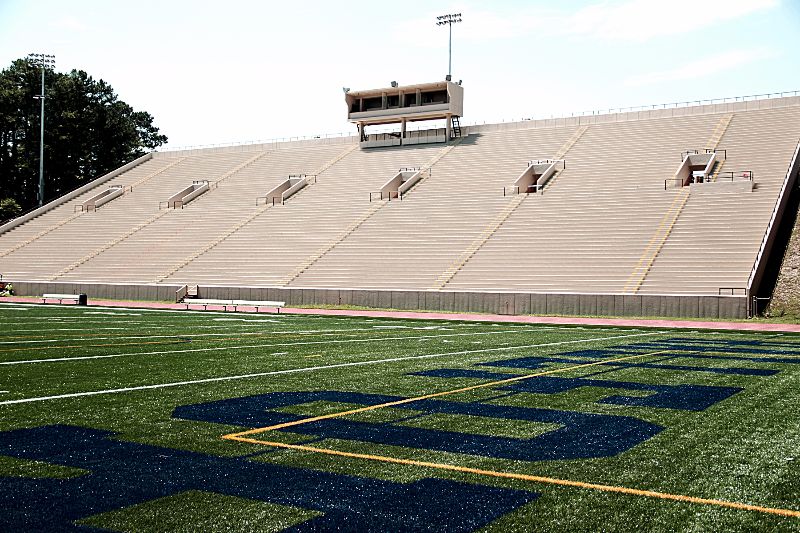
<point>336,159</point>
<point>106,246</point>
<point>656,242</point>
<point>662,233</point>
<point>246,220</point>
<point>322,251</point>
<point>501,217</point>
<point>208,246</point>
<point>41,234</point>
<point>566,147</point>
<point>152,175</point>
<point>239,167</point>
<point>479,241</point>
<point>73,216</point>
<point>302,267</point>
<point>719,131</point>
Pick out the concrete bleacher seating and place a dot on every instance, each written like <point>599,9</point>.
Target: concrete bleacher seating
<point>604,224</point>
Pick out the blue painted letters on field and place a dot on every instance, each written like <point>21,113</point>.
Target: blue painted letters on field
<point>581,435</point>
<point>122,474</point>
<point>685,397</point>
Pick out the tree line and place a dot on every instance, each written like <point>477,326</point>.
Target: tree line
<point>88,132</point>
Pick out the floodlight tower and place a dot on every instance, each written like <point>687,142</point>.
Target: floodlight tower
<point>451,19</point>
<point>45,62</point>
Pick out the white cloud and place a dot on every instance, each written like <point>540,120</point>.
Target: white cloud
<point>641,20</point>
<point>700,68</point>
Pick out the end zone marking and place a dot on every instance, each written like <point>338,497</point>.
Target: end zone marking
<point>432,395</point>
<point>527,477</point>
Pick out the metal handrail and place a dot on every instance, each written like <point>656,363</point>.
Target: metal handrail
<point>673,180</point>
<point>548,161</point>
<point>389,195</point>
<point>268,199</point>
<point>733,174</point>
<point>731,291</point>
<point>687,153</point>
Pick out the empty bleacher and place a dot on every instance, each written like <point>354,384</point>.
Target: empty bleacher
<point>591,226</point>
<point>716,238</point>
<point>409,243</point>
<point>269,249</point>
<point>605,224</point>
<point>175,236</point>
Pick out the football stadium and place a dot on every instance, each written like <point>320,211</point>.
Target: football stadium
<point>551,324</point>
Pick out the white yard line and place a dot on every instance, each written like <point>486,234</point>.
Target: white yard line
<point>310,369</point>
<point>249,346</point>
<point>330,332</point>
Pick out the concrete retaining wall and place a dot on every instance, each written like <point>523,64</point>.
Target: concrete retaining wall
<point>503,303</point>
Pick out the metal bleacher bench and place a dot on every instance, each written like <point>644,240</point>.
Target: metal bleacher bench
<point>61,297</point>
<point>234,304</point>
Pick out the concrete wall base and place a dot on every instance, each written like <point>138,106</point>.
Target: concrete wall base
<point>503,303</point>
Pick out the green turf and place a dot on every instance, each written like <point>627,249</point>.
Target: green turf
<point>743,449</point>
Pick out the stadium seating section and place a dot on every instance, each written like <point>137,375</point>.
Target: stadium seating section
<point>606,223</point>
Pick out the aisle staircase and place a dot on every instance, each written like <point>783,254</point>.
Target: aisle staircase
<point>94,253</point>
<point>374,208</point>
<point>660,236</point>
<point>246,220</point>
<point>501,217</point>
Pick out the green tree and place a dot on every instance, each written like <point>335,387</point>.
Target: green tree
<point>89,131</point>
<point>9,208</point>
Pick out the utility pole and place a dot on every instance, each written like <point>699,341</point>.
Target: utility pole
<point>45,62</point>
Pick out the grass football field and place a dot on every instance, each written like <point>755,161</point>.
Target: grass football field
<point>143,420</point>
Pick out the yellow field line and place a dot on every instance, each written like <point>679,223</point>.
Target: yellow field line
<point>283,425</point>
<point>527,477</point>
<point>240,437</point>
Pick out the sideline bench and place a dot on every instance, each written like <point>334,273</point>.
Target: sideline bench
<point>77,298</point>
<point>234,304</point>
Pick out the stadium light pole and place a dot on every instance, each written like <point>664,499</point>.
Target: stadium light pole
<point>449,20</point>
<point>43,61</point>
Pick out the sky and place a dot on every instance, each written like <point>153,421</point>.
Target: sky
<point>239,71</point>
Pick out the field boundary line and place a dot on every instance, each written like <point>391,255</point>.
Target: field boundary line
<point>298,370</point>
<point>284,425</point>
<point>528,477</point>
